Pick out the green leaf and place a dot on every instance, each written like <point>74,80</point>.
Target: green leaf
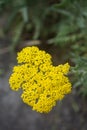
<point>16,34</point>
<point>24,12</point>
<point>37,24</point>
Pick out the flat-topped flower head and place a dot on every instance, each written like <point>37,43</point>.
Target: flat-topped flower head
<point>42,83</point>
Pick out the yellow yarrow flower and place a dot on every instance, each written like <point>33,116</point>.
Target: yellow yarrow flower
<point>42,83</point>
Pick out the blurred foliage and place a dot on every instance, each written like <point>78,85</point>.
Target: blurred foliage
<point>80,75</point>
<point>79,71</point>
<point>60,22</point>
<point>72,24</point>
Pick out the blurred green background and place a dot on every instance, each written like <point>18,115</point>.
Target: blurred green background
<point>57,26</point>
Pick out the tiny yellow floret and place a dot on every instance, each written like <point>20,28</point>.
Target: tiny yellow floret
<point>42,83</point>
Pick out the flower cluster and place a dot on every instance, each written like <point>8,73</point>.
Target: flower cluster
<point>42,83</point>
